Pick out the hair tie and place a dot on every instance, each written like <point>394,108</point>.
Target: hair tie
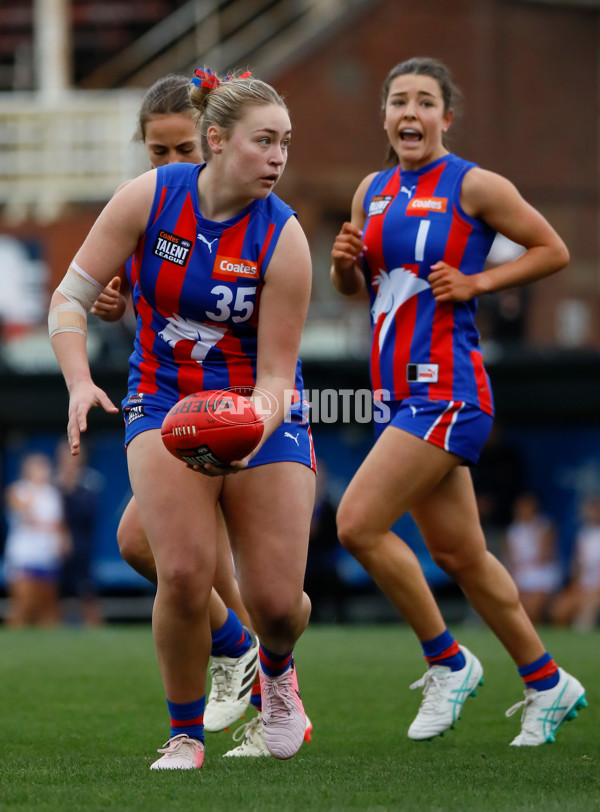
<point>204,77</point>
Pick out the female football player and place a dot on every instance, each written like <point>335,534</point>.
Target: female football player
<point>418,238</point>
<point>202,327</point>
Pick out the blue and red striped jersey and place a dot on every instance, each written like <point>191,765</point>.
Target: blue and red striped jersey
<point>196,286</point>
<point>419,347</point>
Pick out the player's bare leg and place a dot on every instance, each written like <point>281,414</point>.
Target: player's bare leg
<point>234,665</point>
<point>449,522</point>
<point>185,563</point>
<point>136,551</point>
<point>438,492</point>
<point>366,514</point>
<point>270,544</point>
<point>225,581</point>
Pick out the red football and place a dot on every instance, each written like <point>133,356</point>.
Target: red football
<point>216,426</point>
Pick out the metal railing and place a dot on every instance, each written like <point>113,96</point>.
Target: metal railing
<point>223,35</point>
<point>76,149</point>
<point>75,146</point>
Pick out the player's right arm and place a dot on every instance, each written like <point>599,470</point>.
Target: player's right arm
<point>346,272</point>
<point>110,242</point>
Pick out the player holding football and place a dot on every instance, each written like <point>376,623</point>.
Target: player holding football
<point>167,128</point>
<point>417,241</point>
<point>200,327</point>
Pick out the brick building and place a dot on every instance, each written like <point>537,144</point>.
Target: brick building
<point>529,75</point>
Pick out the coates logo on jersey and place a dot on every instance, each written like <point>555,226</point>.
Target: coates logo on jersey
<point>172,248</point>
<point>379,204</point>
<point>234,268</point>
<point>423,205</point>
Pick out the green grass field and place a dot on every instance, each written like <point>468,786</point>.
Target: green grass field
<point>83,713</point>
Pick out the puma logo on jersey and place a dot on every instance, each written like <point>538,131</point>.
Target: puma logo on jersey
<point>408,191</point>
<point>422,373</point>
<point>203,239</point>
<point>291,436</point>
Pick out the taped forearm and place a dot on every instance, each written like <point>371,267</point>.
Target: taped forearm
<point>81,291</point>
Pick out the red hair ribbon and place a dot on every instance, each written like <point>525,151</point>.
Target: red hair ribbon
<point>204,77</point>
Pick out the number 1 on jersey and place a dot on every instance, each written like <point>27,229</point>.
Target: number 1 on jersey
<point>421,239</point>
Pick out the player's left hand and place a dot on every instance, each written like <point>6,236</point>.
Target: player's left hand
<point>448,284</point>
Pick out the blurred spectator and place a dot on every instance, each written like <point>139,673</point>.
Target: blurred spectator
<point>579,603</point>
<point>81,488</point>
<point>23,304</point>
<point>36,544</point>
<point>530,555</point>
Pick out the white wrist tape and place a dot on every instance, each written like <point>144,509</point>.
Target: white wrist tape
<point>81,290</point>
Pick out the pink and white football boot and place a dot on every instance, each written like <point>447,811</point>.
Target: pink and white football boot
<point>180,753</point>
<point>283,717</point>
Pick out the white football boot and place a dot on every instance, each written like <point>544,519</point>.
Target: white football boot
<point>444,694</point>
<point>231,687</point>
<point>545,711</point>
<point>253,740</point>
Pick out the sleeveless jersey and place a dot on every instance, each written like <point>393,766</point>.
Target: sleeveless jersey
<point>196,288</point>
<point>419,347</point>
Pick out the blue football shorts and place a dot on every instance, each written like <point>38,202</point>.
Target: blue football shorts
<point>290,442</point>
<point>453,425</point>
